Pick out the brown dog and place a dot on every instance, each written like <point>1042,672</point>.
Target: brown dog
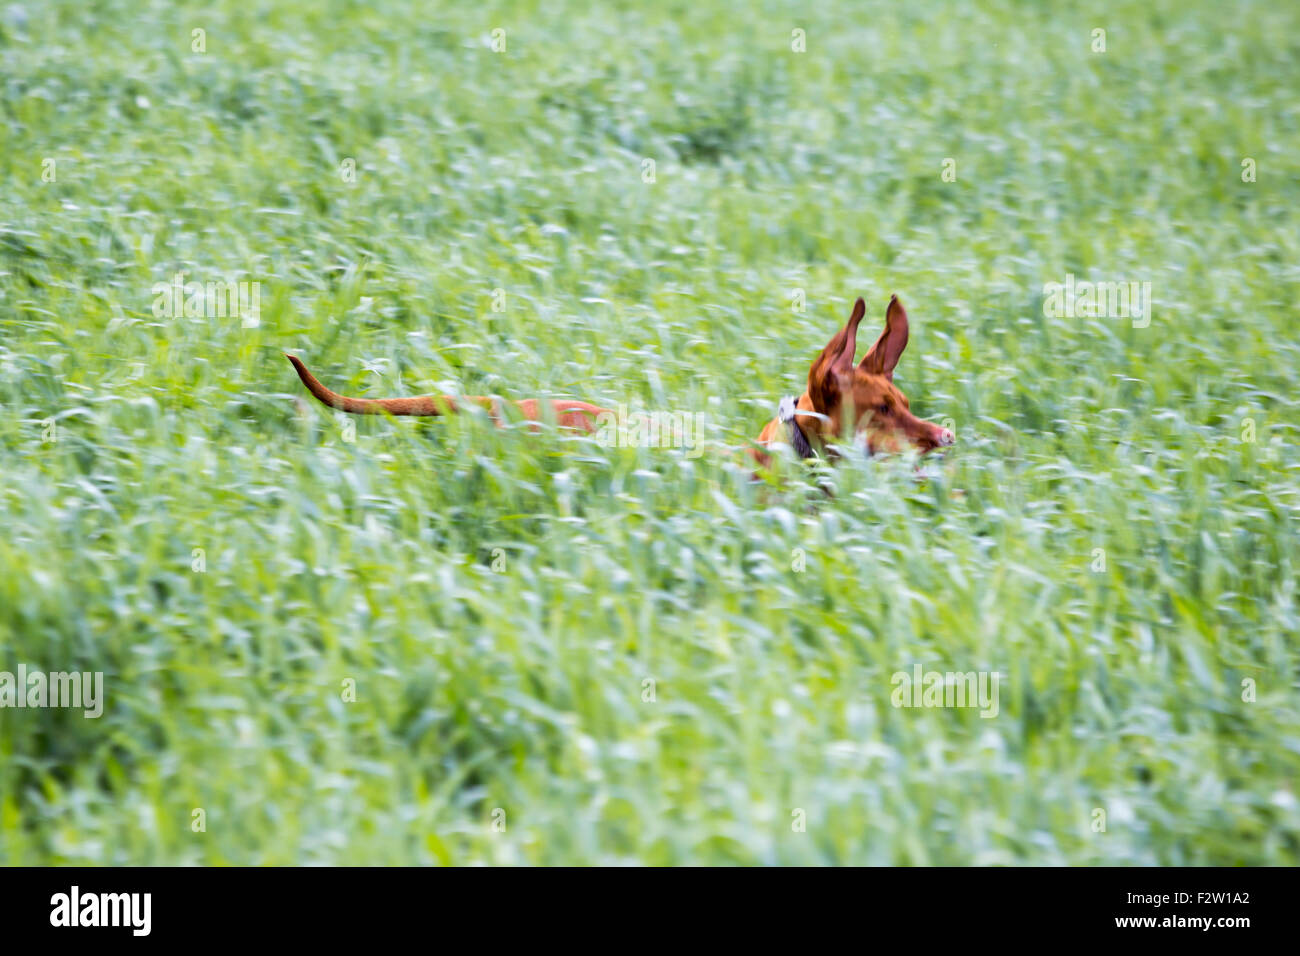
<point>881,414</point>
<point>813,423</point>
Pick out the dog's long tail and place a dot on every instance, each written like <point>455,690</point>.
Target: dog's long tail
<point>421,405</point>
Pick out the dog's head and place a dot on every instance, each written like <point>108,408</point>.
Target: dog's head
<point>865,394</point>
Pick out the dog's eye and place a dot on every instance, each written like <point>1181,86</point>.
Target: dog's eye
<point>884,408</point>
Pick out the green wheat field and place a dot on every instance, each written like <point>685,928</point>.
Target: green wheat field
<point>396,641</point>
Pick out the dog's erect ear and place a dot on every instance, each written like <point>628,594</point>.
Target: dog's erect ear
<point>844,360</point>
<point>836,359</point>
<point>888,349</point>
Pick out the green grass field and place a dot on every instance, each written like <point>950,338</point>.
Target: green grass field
<point>443,642</point>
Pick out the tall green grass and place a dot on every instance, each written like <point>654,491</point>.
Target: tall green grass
<point>569,653</point>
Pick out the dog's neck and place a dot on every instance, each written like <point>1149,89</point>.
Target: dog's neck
<point>787,411</point>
